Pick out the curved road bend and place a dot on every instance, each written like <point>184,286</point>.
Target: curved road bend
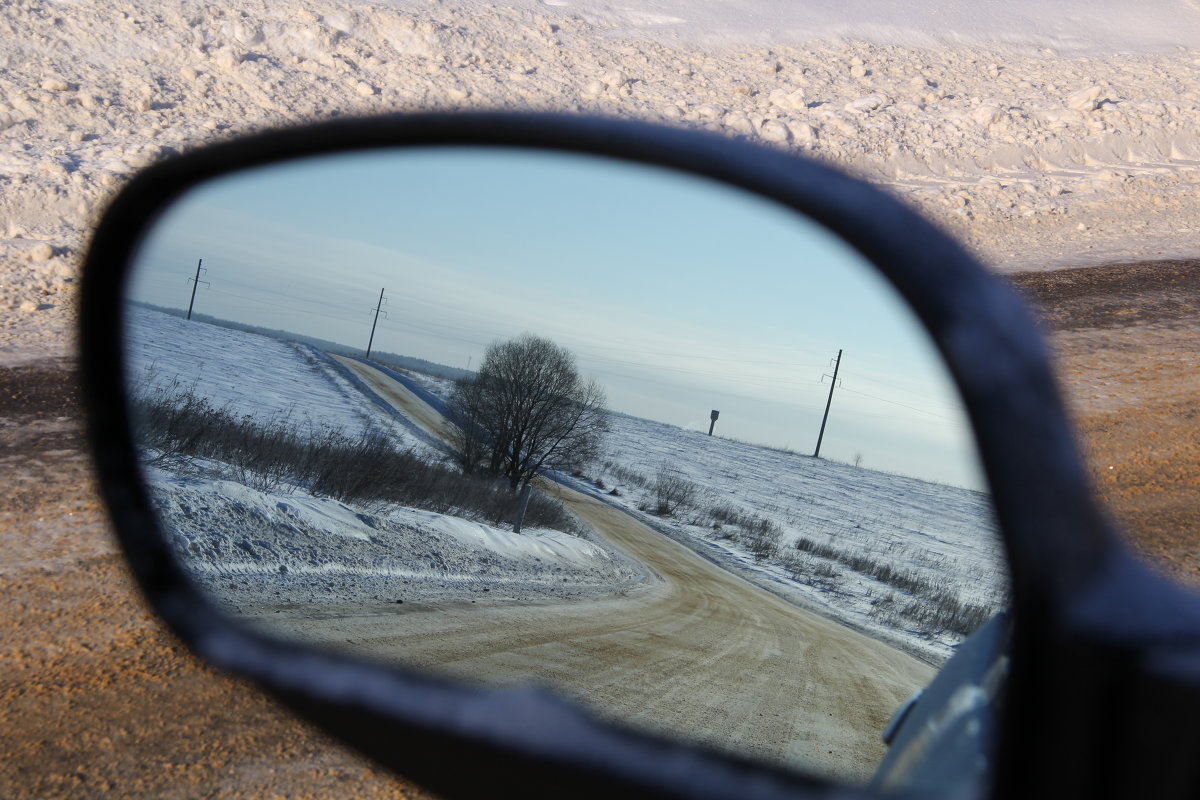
<point>701,654</point>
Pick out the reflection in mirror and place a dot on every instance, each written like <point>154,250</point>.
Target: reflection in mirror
<point>347,370</point>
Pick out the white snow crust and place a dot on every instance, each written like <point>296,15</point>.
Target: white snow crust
<point>253,375</point>
<point>1042,134</point>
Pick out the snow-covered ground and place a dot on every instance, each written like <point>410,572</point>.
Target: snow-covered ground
<point>253,540</point>
<point>254,375</point>
<point>256,541</point>
<point>853,523</point>
<point>1041,133</point>
<point>252,548</point>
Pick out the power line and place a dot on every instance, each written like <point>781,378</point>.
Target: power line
<point>902,405</point>
<point>260,301</point>
<point>444,332</point>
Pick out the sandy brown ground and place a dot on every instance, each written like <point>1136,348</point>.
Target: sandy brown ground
<point>701,653</point>
<point>1127,342</point>
<point>96,700</point>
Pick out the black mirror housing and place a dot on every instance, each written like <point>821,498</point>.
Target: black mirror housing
<point>1090,625</point>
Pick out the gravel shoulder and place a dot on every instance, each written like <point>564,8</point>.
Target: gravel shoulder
<point>96,698</point>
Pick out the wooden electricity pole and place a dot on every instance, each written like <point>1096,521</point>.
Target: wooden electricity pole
<point>371,341</point>
<point>196,282</point>
<point>828,403</point>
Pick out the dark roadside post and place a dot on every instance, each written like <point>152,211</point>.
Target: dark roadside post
<point>712,420</point>
<point>522,504</point>
<point>196,282</point>
<point>828,403</point>
<point>378,306</point>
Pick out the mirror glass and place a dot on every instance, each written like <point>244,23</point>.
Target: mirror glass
<point>517,416</point>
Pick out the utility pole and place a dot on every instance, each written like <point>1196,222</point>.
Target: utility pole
<point>828,403</point>
<point>196,282</point>
<point>371,341</point>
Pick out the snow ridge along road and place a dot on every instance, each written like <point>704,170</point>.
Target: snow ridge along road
<point>700,653</point>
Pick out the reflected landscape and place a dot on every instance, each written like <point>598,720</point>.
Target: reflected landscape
<point>580,449</point>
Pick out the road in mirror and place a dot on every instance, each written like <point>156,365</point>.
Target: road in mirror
<point>657,356</point>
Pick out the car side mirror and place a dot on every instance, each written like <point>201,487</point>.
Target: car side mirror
<point>247,538</point>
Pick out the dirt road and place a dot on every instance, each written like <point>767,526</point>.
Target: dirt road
<point>418,411</point>
<point>700,653</point>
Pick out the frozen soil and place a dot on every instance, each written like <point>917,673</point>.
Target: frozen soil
<point>1127,342</point>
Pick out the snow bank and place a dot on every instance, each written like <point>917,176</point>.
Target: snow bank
<point>1070,138</point>
<point>1096,27</point>
<point>253,548</point>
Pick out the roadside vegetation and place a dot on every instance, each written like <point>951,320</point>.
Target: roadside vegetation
<point>181,431</point>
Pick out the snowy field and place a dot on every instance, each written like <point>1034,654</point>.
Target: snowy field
<point>253,540</point>
<point>252,375</point>
<point>865,547</point>
<point>873,545</point>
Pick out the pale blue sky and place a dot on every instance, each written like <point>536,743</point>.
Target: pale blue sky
<point>679,295</point>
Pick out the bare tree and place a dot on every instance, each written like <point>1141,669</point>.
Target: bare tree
<point>527,409</point>
<point>469,437</point>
